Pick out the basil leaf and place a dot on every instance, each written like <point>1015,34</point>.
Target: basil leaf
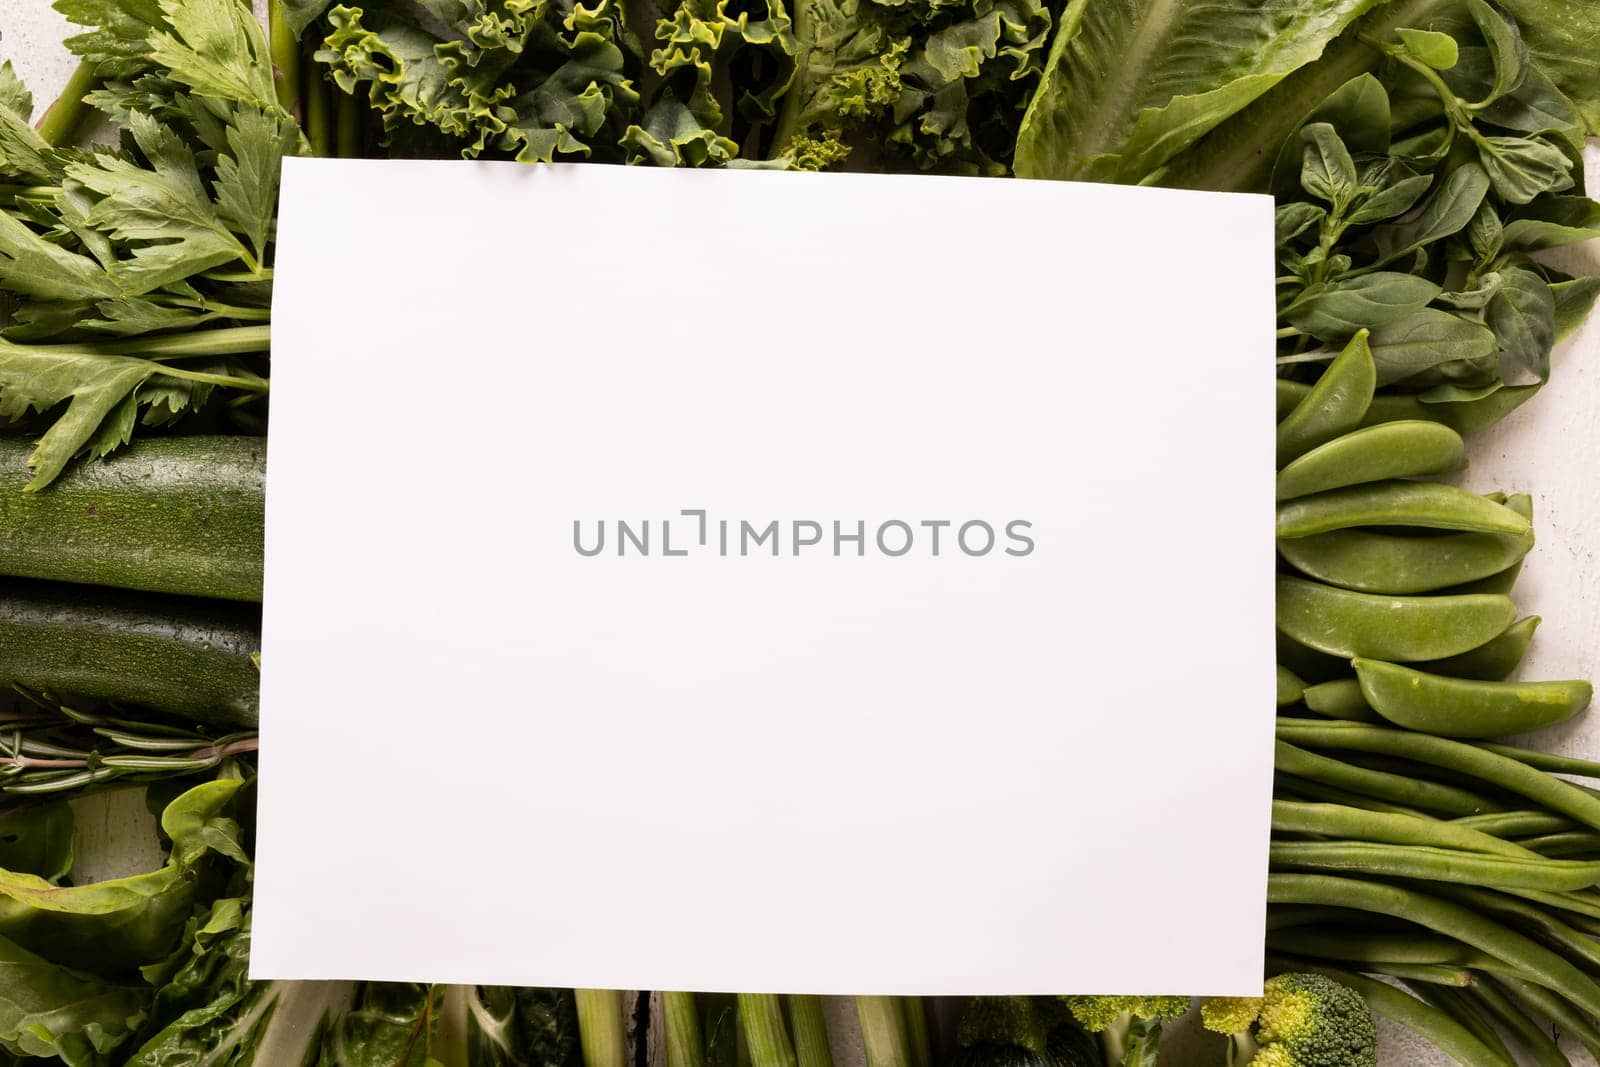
<point>1327,171</point>
<point>1358,109</point>
<point>1506,47</point>
<point>1425,340</point>
<point>1473,299</point>
<point>1391,202</point>
<point>1295,218</point>
<point>1451,393</point>
<point>1553,222</point>
<point>1485,233</point>
<point>1523,317</point>
<point>1447,211</point>
<point>1336,310</point>
<point>1574,299</point>
<point>1520,168</point>
<point>1562,39</point>
<point>1437,50</point>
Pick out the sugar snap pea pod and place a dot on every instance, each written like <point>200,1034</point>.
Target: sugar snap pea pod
<point>1289,396</point>
<point>1504,581</point>
<point>1464,707</point>
<point>1289,686</point>
<point>1434,864</point>
<point>1375,562</point>
<point>1339,699</point>
<point>1394,788</point>
<point>1493,661</point>
<point>1334,405</point>
<point>1425,504</point>
<point>1409,448</point>
<point>1466,417</point>
<point>1392,628</point>
<point>1533,960</point>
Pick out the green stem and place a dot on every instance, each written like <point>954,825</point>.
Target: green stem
<point>448,1043</point>
<point>64,117</point>
<point>917,1039</point>
<point>318,112</point>
<point>228,381</point>
<point>766,1035</point>
<point>228,341</point>
<point>600,1029</point>
<point>883,1032</point>
<point>810,1029</point>
<point>347,125</point>
<point>784,130</point>
<point>285,59</point>
<point>682,1030</point>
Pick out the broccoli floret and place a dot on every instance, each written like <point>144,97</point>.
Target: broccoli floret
<point>1129,1027</point>
<point>1301,1020</point>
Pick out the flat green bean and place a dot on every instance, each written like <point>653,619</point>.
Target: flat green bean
<point>1407,449</point>
<point>1532,959</point>
<point>1425,505</point>
<point>1375,859</point>
<point>1371,561</point>
<point>1340,699</point>
<point>1497,771</point>
<point>1335,403</point>
<point>1460,707</point>
<point>1493,661</point>
<point>1394,788</point>
<point>1341,622</point>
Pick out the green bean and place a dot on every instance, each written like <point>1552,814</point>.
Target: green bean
<point>1321,792</point>
<point>1435,864</point>
<point>1395,788</point>
<point>1556,1008</point>
<point>1374,562</point>
<point>1452,1000</point>
<point>1545,761</point>
<point>1516,908</point>
<point>1340,699</point>
<point>1356,824</point>
<point>1428,505</point>
<point>1582,907</point>
<point>1289,916</point>
<point>1459,707</point>
<point>1428,1022</point>
<point>1407,449</point>
<point>1539,1045</point>
<point>1374,946</point>
<point>1567,843</point>
<point>1509,824</point>
<point>1441,916</point>
<point>1466,417</point>
<point>1491,768</point>
<point>1289,686</point>
<point>1493,661</point>
<point>1349,624</point>
<point>1334,405</point>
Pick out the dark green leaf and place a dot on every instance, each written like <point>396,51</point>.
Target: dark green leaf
<point>1295,218</point>
<point>1475,298</point>
<point>1563,38</point>
<point>1506,47</point>
<point>1437,50</point>
<point>1553,221</point>
<point>1574,300</point>
<point>1391,202</point>
<point>1336,310</point>
<point>37,839</point>
<point>1520,168</point>
<point>1485,233</point>
<point>1523,317</point>
<point>49,1011</point>
<point>1428,339</point>
<point>1448,210</point>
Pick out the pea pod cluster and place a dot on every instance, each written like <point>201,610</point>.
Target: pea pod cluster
<point>1394,592</point>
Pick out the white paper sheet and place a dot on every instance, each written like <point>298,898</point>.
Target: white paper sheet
<point>491,758</point>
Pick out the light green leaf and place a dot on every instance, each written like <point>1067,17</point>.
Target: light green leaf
<point>34,267</point>
<point>14,96</point>
<point>1392,201</point>
<point>1563,37</point>
<point>1358,109</point>
<point>1425,340</point>
<point>33,379</point>
<point>1327,172</point>
<point>1437,50</point>
<point>1474,299</point>
<point>1506,47</point>
<point>247,176</point>
<point>1295,218</point>
<point>1574,298</point>
<point>119,41</point>
<point>1552,222</point>
<point>1523,317</point>
<point>1520,168</point>
<point>1335,310</point>
<point>217,48</point>
<point>1131,83</point>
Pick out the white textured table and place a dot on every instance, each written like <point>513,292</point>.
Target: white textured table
<point>1550,448</point>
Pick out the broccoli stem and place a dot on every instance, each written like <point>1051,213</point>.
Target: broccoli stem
<point>765,1034</point>
<point>810,1029</point>
<point>600,1030</point>
<point>62,119</point>
<point>883,1032</point>
<point>681,1028</point>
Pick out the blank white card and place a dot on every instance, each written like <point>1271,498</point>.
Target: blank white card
<point>766,582</point>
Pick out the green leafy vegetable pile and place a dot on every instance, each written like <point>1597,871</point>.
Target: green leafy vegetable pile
<point>1424,156</point>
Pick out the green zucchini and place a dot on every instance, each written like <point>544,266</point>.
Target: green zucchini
<point>190,658</point>
<point>165,515</point>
